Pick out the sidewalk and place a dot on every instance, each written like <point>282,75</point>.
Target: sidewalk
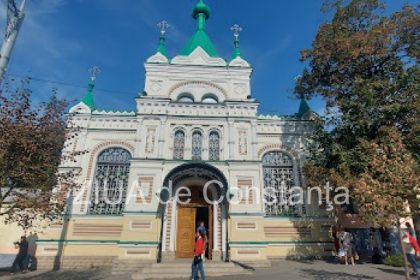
<point>287,270</point>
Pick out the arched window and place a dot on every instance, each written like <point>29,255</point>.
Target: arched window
<point>110,182</point>
<point>209,98</point>
<point>179,144</point>
<point>197,143</point>
<point>214,145</point>
<point>185,97</point>
<point>278,179</point>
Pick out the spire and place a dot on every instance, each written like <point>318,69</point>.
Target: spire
<point>201,13</point>
<point>88,98</point>
<point>163,26</point>
<point>236,29</point>
<point>304,107</point>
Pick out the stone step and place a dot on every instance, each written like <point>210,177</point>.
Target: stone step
<point>157,275</point>
<point>128,266</point>
<point>188,264</point>
<point>182,269</point>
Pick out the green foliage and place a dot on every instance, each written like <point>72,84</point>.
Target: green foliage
<point>395,260</point>
<point>31,142</point>
<point>364,64</point>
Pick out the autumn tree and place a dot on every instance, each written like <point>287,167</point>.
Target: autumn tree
<point>364,63</point>
<point>31,142</point>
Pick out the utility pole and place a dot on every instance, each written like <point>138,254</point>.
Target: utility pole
<point>14,21</point>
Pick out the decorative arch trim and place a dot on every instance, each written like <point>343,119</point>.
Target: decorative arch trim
<point>182,84</point>
<point>273,147</point>
<point>102,146</point>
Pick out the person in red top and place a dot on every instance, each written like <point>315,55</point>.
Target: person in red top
<point>411,248</point>
<point>199,251</point>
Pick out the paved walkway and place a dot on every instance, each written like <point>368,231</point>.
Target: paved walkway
<point>287,270</point>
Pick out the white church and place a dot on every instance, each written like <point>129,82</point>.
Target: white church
<point>195,122</point>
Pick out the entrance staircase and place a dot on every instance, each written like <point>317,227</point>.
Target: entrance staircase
<point>180,269</point>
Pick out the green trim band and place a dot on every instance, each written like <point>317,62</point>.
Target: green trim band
<point>141,212</point>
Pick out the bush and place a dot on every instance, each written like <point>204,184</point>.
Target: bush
<point>395,260</point>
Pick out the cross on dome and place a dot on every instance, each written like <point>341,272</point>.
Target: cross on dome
<point>163,26</point>
<point>236,30</point>
<point>94,71</point>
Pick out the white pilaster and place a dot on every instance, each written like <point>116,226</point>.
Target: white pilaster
<point>224,219</point>
<point>231,140</point>
<point>161,140</point>
<point>215,227</point>
<point>254,141</point>
<point>173,225</point>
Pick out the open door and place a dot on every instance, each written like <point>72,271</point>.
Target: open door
<point>185,237</point>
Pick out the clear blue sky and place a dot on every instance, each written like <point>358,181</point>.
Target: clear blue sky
<point>61,39</point>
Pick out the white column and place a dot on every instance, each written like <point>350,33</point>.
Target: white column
<point>173,224</point>
<point>164,233</point>
<point>215,231</point>
<point>224,219</point>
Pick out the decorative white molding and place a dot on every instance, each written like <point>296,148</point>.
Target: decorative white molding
<point>157,58</point>
<point>239,62</point>
<point>198,57</point>
<point>113,113</point>
<point>80,108</point>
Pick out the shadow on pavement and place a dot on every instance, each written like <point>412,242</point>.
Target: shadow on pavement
<point>393,271</point>
<point>327,275</point>
<point>53,275</point>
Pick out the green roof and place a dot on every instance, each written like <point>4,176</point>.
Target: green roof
<point>303,107</point>
<point>161,48</point>
<point>88,98</point>
<point>201,13</point>
<point>200,39</point>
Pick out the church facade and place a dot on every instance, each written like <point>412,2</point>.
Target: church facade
<point>195,150</point>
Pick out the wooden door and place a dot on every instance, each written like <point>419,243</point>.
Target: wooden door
<point>185,234</point>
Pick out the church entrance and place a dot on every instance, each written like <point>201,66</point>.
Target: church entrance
<point>187,206</point>
<point>189,218</point>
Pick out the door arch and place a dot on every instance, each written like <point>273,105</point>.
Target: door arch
<point>194,175</point>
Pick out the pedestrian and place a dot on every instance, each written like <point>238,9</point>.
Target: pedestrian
<point>21,255</point>
<point>346,246</point>
<point>411,230</point>
<point>335,231</point>
<point>202,227</point>
<point>386,240</point>
<point>197,264</point>
<point>411,248</point>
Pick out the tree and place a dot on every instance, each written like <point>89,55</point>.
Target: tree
<point>365,64</point>
<point>384,190</point>
<point>31,142</point>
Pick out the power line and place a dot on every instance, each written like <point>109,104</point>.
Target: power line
<point>67,84</point>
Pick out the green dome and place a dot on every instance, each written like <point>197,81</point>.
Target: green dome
<point>201,8</point>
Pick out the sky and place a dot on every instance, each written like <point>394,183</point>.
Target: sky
<point>61,39</point>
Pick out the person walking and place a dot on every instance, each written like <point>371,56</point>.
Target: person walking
<point>411,248</point>
<point>346,246</point>
<point>411,230</point>
<point>21,255</point>
<point>199,251</point>
<point>202,227</point>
